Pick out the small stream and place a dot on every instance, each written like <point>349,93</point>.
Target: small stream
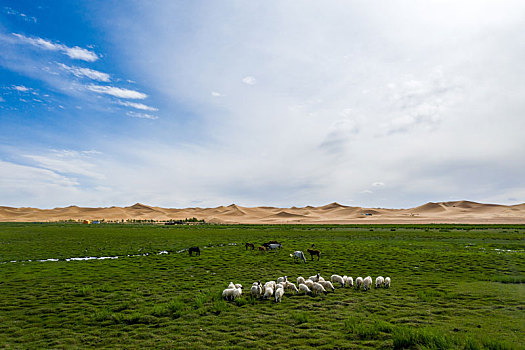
<point>86,258</point>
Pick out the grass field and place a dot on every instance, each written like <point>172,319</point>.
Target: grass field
<point>452,287</point>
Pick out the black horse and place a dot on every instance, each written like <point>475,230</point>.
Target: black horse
<point>195,250</point>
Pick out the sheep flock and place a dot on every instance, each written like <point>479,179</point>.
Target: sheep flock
<point>312,285</point>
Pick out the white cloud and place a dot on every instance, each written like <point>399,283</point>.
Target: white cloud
<point>249,80</point>
<point>67,162</point>
<point>73,52</point>
<point>216,94</point>
<point>340,134</point>
<point>117,92</point>
<point>378,184</point>
<point>380,93</point>
<point>21,88</point>
<point>81,72</point>
<point>137,106</point>
<point>25,17</point>
<point>141,115</point>
<point>349,96</point>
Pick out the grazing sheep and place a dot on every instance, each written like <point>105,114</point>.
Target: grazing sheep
<point>338,279</point>
<point>228,293</point>
<point>379,281</point>
<point>304,288</point>
<point>268,292</point>
<point>318,288</point>
<point>256,289</point>
<point>367,283</point>
<point>270,284</point>
<point>237,292</point>
<point>279,294</point>
<point>350,281</point>
<point>300,280</point>
<point>290,286</point>
<point>358,282</point>
<point>327,285</point>
<point>387,282</point>
<point>309,283</point>
<point>282,279</point>
<point>238,285</point>
<point>315,278</point>
<point>321,279</point>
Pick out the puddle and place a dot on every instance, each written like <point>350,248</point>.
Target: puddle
<point>508,251</point>
<point>92,258</point>
<point>162,252</point>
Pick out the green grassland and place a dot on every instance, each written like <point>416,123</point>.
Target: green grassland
<point>453,287</point>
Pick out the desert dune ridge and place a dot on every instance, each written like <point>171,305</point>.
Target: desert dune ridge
<point>461,212</point>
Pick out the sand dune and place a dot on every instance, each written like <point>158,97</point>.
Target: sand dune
<point>333,213</point>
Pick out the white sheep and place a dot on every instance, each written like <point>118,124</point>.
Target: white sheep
<point>349,281</point>
<point>268,292</point>
<point>238,285</point>
<point>318,288</point>
<point>228,293</point>
<point>309,283</point>
<point>338,279</point>
<point>367,283</point>
<point>270,284</point>
<point>279,294</point>
<point>315,278</point>
<point>237,292</point>
<point>379,281</point>
<point>304,288</point>
<point>291,286</point>
<point>256,289</point>
<point>231,285</point>
<point>358,282</point>
<point>327,285</point>
<point>282,279</point>
<point>387,282</point>
<point>300,280</point>
<point>321,279</point>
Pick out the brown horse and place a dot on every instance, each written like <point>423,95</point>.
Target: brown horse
<point>195,250</point>
<point>249,245</point>
<point>314,252</point>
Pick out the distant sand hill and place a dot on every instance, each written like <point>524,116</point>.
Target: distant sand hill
<point>443,212</point>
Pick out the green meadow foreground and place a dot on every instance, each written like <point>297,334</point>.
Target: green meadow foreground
<point>452,287</point>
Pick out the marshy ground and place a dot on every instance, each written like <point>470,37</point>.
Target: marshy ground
<point>453,286</point>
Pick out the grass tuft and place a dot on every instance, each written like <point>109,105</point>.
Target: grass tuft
<point>404,337</point>
<point>299,317</point>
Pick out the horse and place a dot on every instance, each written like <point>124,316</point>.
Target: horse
<point>274,246</point>
<point>249,245</point>
<point>298,255</point>
<point>195,250</point>
<point>314,252</point>
<point>268,243</point>
<point>262,249</point>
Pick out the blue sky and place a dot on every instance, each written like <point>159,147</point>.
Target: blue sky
<point>207,103</point>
